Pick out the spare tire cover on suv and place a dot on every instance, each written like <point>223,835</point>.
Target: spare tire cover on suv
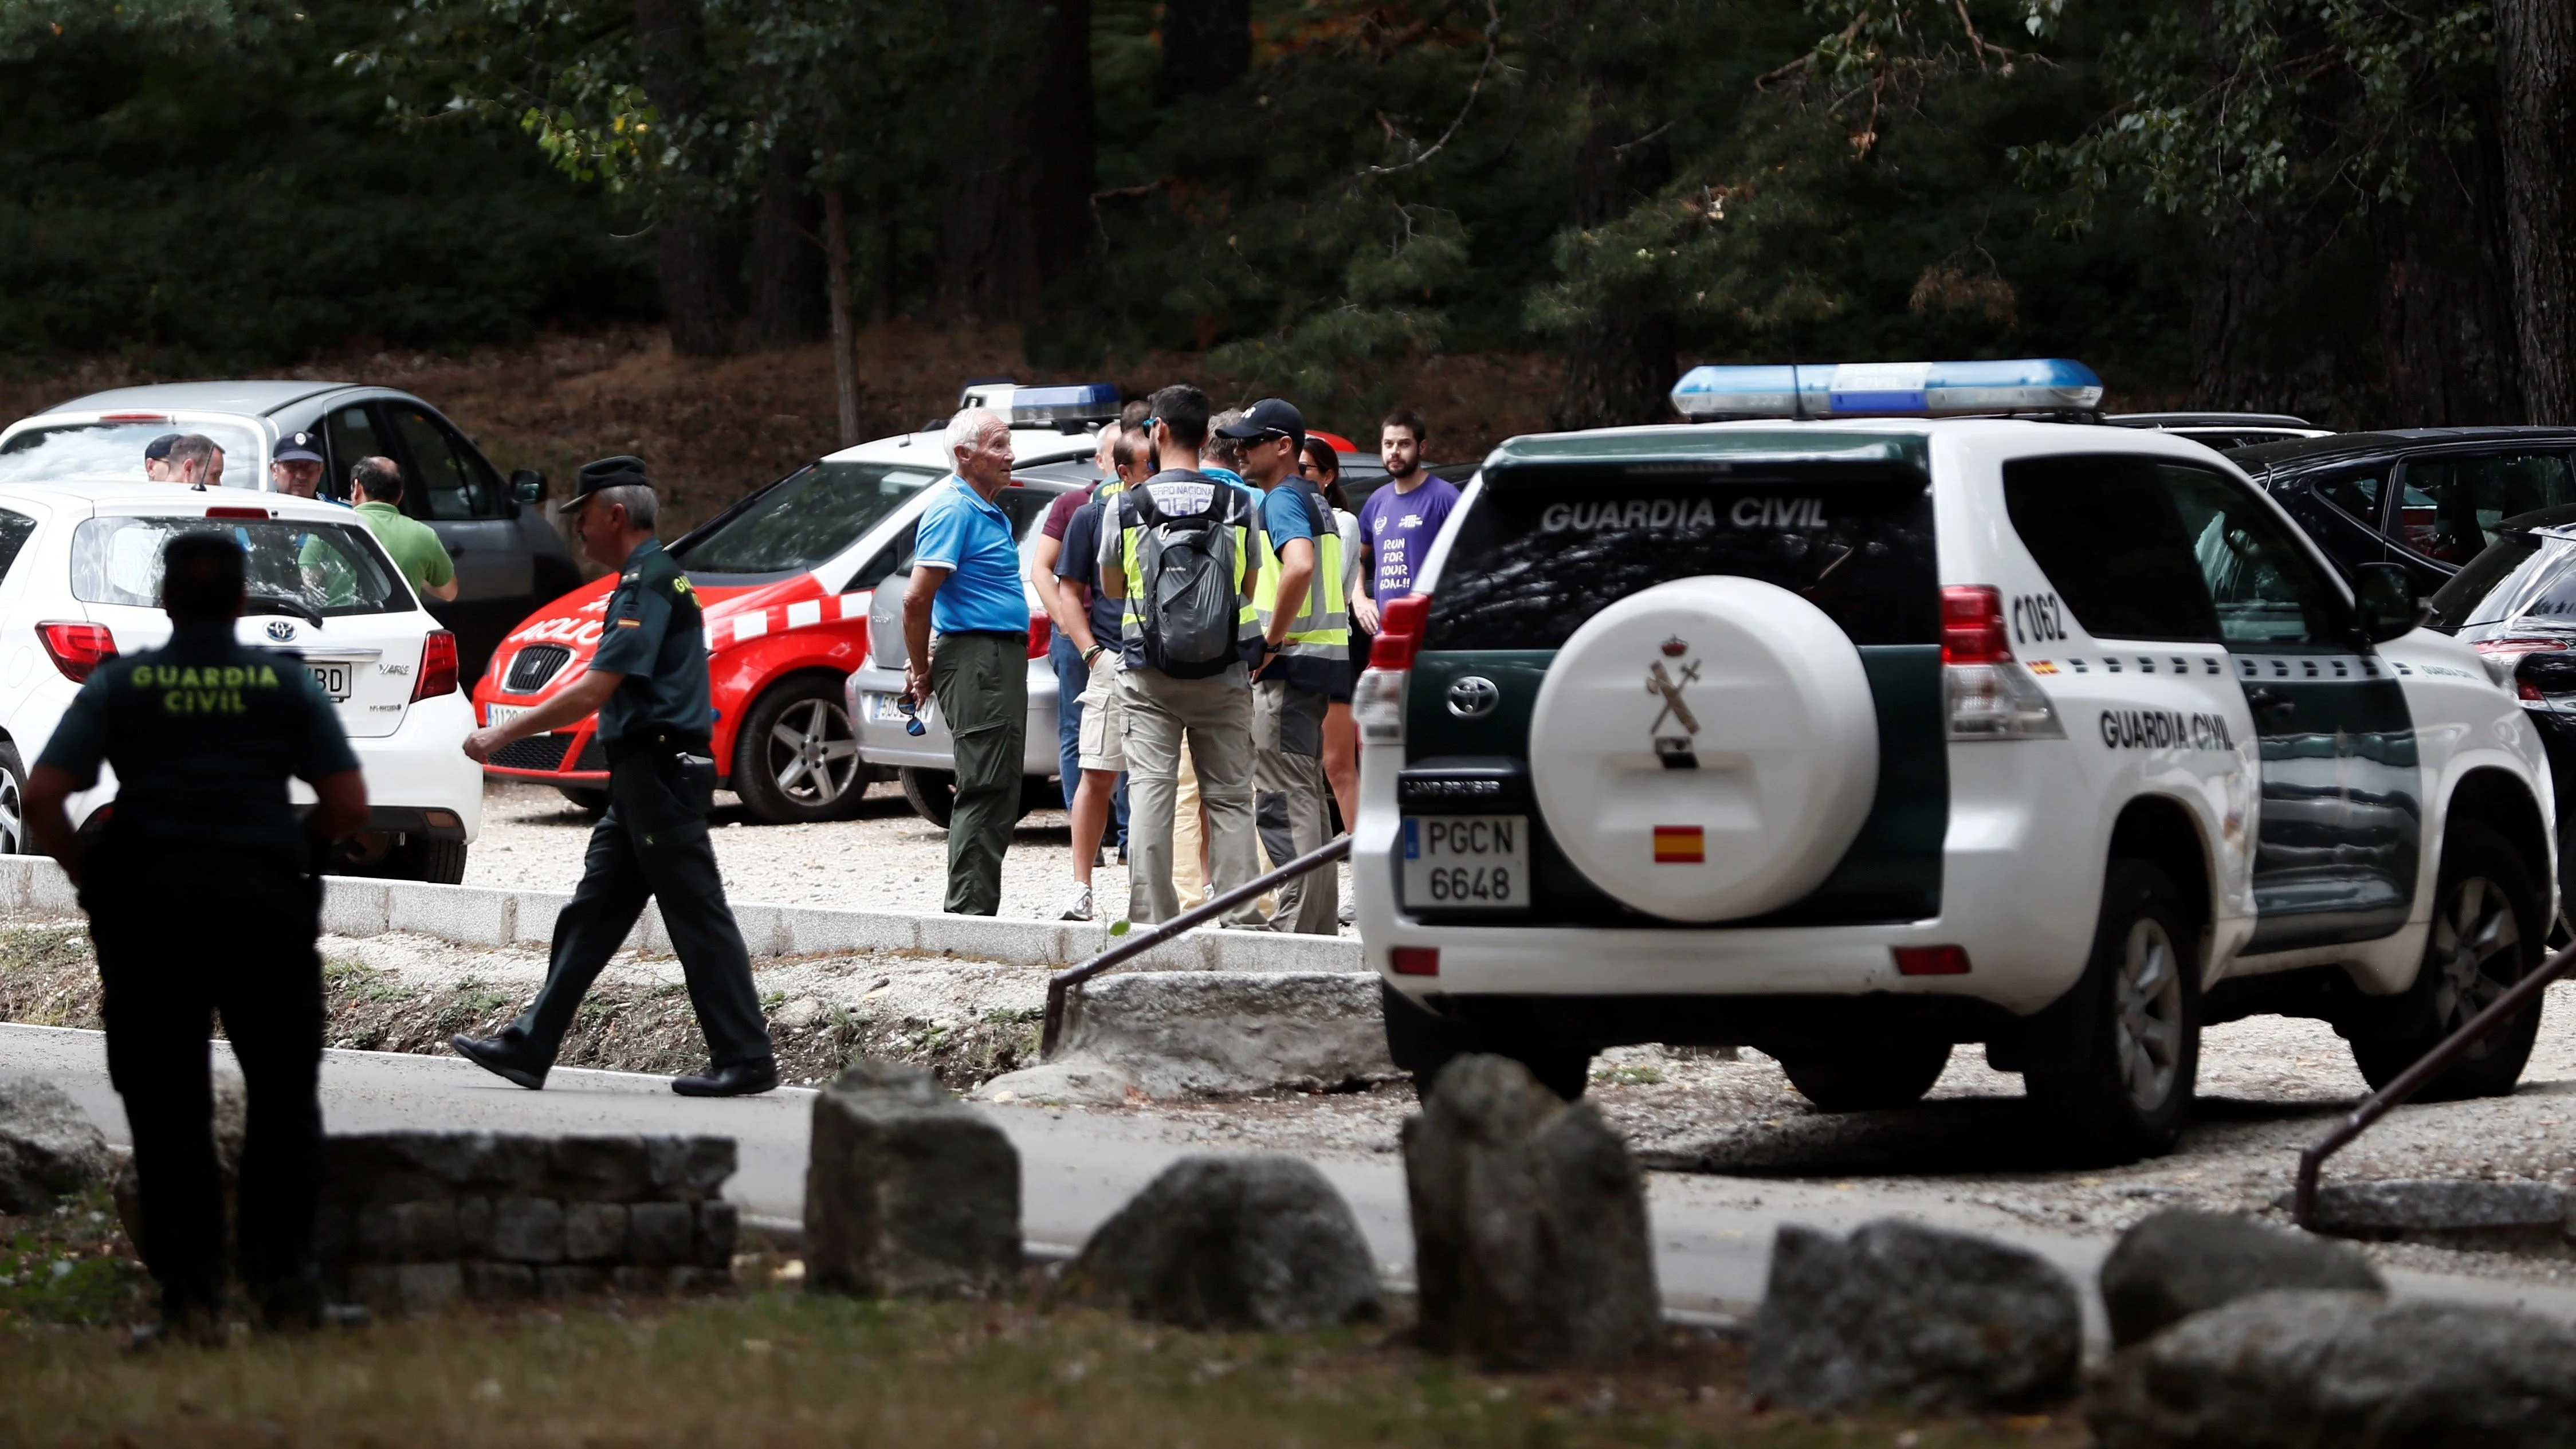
<point>1706,749</point>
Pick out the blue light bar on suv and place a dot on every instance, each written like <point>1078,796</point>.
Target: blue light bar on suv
<point>1087,402</point>
<point>1888,389</point>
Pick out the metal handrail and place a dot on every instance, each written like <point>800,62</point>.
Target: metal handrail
<point>2303,1201</point>
<point>1063,982</point>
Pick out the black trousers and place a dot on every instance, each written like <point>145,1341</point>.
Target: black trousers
<point>182,939</point>
<point>652,844</point>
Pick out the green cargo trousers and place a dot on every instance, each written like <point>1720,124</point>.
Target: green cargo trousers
<point>982,682</point>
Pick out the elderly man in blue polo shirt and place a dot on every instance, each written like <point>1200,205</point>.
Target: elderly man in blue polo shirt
<point>966,589</point>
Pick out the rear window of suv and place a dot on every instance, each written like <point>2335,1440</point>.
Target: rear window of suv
<point>1543,549</point>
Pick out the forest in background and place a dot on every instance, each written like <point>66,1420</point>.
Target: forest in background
<point>2347,209</point>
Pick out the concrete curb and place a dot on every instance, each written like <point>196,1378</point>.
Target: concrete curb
<point>481,916</point>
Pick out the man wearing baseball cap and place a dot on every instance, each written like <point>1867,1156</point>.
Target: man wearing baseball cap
<point>156,458</point>
<point>296,466</point>
<point>648,683</point>
<point>1304,664</point>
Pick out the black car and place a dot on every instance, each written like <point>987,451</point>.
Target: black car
<point>2431,499</point>
<point>2515,603</point>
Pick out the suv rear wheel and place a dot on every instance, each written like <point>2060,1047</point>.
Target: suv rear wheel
<point>2115,1060</point>
<point>1422,1043</point>
<point>1868,1078</point>
<point>2487,929</point>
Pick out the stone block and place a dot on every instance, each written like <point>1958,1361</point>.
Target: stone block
<point>719,1228</point>
<point>1531,1243</point>
<point>1186,952</point>
<point>570,1281</point>
<point>688,1169</point>
<point>1264,951</point>
<point>355,907</point>
<point>600,1169</point>
<point>594,1232</point>
<point>46,891</point>
<point>2455,1212</point>
<point>805,931</point>
<point>527,1230</point>
<point>532,916</point>
<point>908,1192</point>
<point>659,1234</point>
<point>417,1231</point>
<point>469,915</point>
<point>473,1227</point>
<point>637,1282</point>
<point>650,937</point>
<point>499,1282</point>
<point>1178,1033</point>
<point>2179,1263</point>
<point>760,929</point>
<point>511,1164</point>
<point>49,1148</point>
<point>989,938</point>
<point>1937,1321</point>
<point>1236,1242</point>
<point>2304,1367</point>
<point>406,1287</point>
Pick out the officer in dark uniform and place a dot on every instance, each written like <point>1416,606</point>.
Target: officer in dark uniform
<point>648,682</point>
<point>203,898</point>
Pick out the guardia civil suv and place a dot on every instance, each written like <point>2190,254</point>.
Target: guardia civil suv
<point>1855,732</point>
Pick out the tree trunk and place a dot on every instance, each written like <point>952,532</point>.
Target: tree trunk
<point>2446,323</point>
<point>787,305</point>
<point>1010,227</point>
<point>845,362</point>
<point>1619,364</point>
<point>2536,122</point>
<point>1207,45</point>
<point>700,286</point>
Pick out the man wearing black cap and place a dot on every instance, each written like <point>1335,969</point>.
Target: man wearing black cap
<point>648,682</point>
<point>296,466</point>
<point>156,458</point>
<point>1305,661</point>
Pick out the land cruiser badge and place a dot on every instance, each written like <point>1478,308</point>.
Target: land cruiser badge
<point>1674,750</point>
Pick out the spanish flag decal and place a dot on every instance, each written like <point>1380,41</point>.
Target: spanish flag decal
<point>1681,845</point>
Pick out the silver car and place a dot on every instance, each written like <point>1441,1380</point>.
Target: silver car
<point>509,558</point>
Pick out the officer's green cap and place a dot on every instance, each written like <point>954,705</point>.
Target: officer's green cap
<point>618,472</point>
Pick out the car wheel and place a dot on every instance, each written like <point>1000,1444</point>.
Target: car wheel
<point>932,794</point>
<point>797,758</point>
<point>436,862</point>
<point>2114,1061</point>
<point>13,804</point>
<point>2486,935</point>
<point>1886,1074</point>
<point>593,803</point>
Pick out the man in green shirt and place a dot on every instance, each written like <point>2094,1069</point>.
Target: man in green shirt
<point>413,544</point>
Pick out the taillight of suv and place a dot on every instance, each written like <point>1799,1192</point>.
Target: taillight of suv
<point>78,648</point>
<point>437,666</point>
<point>1991,697</point>
<point>1377,701</point>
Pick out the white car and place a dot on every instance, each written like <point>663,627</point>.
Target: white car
<point>1855,738</point>
<point>80,569</point>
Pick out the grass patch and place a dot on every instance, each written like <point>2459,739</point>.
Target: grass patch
<point>784,1370</point>
<point>70,1267</point>
<point>48,977</point>
<point>1628,1076</point>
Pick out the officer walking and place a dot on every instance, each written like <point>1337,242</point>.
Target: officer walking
<point>648,683</point>
<point>203,899</point>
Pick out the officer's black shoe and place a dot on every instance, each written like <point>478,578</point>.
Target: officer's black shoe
<point>503,1058</point>
<point>742,1079</point>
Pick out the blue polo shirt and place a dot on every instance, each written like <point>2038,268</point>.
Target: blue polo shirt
<point>972,539</point>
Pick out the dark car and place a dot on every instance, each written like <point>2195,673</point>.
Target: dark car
<point>2431,499</point>
<point>2222,430</point>
<point>2515,603</point>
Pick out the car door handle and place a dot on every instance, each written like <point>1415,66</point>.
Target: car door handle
<point>2265,702</point>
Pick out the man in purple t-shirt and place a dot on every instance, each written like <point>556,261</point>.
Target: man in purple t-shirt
<point>1399,521</point>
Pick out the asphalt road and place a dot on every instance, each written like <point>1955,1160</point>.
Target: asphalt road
<point>1713,1234</point>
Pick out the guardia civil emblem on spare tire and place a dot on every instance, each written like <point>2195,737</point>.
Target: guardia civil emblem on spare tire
<point>1673,749</point>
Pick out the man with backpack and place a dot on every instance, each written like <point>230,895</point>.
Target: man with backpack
<point>1306,648</point>
<point>1178,549</point>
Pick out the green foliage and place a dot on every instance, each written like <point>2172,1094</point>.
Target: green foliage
<point>63,1268</point>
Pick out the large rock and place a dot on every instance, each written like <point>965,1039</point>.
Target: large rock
<point>2298,1369</point>
<point>1210,1033</point>
<point>2454,1212</point>
<point>909,1192</point>
<point>49,1149</point>
<point>1231,1242</point>
<point>1529,1224</point>
<point>1899,1312</point>
<point>2179,1263</point>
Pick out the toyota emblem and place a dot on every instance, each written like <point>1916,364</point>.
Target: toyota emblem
<point>1473,697</point>
<point>280,630</point>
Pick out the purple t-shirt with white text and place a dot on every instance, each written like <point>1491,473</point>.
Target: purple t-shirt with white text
<point>1398,529</point>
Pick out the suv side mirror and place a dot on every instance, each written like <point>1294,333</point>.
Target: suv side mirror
<point>2387,599</point>
<point>527,485</point>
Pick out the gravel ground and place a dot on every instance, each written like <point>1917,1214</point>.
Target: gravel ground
<point>886,859</point>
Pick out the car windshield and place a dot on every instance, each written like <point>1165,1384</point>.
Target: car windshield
<point>115,450</point>
<point>806,518</point>
<point>328,569</point>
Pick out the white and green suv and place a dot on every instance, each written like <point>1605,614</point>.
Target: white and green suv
<point>1855,740</point>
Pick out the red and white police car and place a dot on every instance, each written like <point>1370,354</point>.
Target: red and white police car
<point>786,576</point>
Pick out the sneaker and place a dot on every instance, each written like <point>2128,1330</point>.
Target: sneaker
<point>1077,907</point>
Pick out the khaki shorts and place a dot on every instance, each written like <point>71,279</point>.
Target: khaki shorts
<point>1103,736</point>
